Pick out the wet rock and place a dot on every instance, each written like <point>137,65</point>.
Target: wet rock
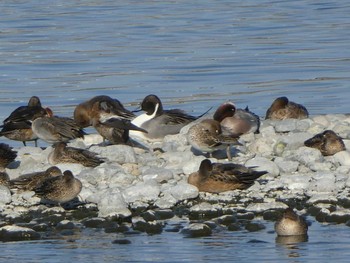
<point>150,227</point>
<point>65,224</point>
<point>96,222</point>
<point>254,226</point>
<point>339,216</point>
<point>17,233</point>
<point>121,241</point>
<point>225,220</point>
<point>197,230</point>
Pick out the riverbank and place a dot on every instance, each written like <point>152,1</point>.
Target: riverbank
<point>142,188</point>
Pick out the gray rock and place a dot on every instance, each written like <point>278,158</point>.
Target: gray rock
<point>17,233</point>
<point>183,191</point>
<point>286,166</point>
<point>158,174</point>
<point>142,191</point>
<point>197,230</point>
<point>116,153</point>
<point>5,195</point>
<point>286,125</point>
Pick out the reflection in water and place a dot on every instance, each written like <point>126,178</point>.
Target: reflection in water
<point>291,243</point>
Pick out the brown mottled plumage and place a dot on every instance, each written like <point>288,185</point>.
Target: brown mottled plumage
<point>328,142</point>
<point>206,136</point>
<point>64,154</point>
<point>282,109</point>
<point>235,122</point>
<point>220,177</point>
<point>28,182</point>
<point>7,155</point>
<point>60,189</point>
<point>291,224</point>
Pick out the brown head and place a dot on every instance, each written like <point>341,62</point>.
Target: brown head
<point>202,174</point>
<point>225,110</point>
<point>53,171</point>
<point>277,104</point>
<point>210,126</point>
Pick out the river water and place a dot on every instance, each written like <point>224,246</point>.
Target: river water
<point>194,55</point>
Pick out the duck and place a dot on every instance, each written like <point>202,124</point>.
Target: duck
<point>159,122</point>
<point>88,111</point>
<point>328,142</point>
<point>54,129</point>
<point>206,136</point>
<point>291,224</point>
<point>59,189</point>
<point>113,128</point>
<point>18,125</point>
<point>28,182</point>
<point>221,177</point>
<point>65,154</point>
<point>282,108</point>
<point>236,122</point>
<point>7,155</point>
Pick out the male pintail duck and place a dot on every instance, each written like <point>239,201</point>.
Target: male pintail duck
<point>86,112</point>
<point>236,122</point>
<point>159,122</point>
<point>60,189</point>
<point>221,177</point>
<point>113,128</point>
<point>291,224</point>
<point>28,182</point>
<point>18,126</point>
<point>7,155</point>
<point>206,136</point>
<point>282,109</point>
<point>328,142</point>
<point>64,154</point>
<point>54,129</point>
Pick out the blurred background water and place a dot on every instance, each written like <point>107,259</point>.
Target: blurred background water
<point>192,54</point>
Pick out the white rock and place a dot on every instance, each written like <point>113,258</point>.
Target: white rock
<point>183,191</point>
<point>5,195</point>
<point>116,153</point>
<point>307,155</point>
<point>286,166</point>
<point>286,125</point>
<point>142,191</point>
<point>113,204</point>
<point>261,207</point>
<point>343,158</point>
<point>263,164</point>
<point>192,165</point>
<point>166,201</point>
<point>158,174</point>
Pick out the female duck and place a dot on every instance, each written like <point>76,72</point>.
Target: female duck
<point>291,224</point>
<point>328,142</point>
<point>221,177</point>
<point>282,109</point>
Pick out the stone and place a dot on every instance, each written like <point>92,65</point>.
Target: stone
<point>263,164</point>
<point>196,230</point>
<point>17,233</point>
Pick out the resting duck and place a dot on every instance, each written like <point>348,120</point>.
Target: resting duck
<point>236,122</point>
<point>159,122</point>
<point>328,142</point>
<point>7,155</point>
<point>282,109</point>
<point>60,189</point>
<point>54,129</point>
<point>64,154</point>
<point>221,177</point>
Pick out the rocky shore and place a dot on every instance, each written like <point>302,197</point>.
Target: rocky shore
<point>141,189</point>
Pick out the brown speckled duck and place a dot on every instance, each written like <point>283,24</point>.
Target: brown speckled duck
<point>65,154</point>
<point>328,142</point>
<point>221,177</point>
<point>28,182</point>
<point>282,109</point>
<point>60,189</point>
<point>291,224</point>
<point>206,136</point>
